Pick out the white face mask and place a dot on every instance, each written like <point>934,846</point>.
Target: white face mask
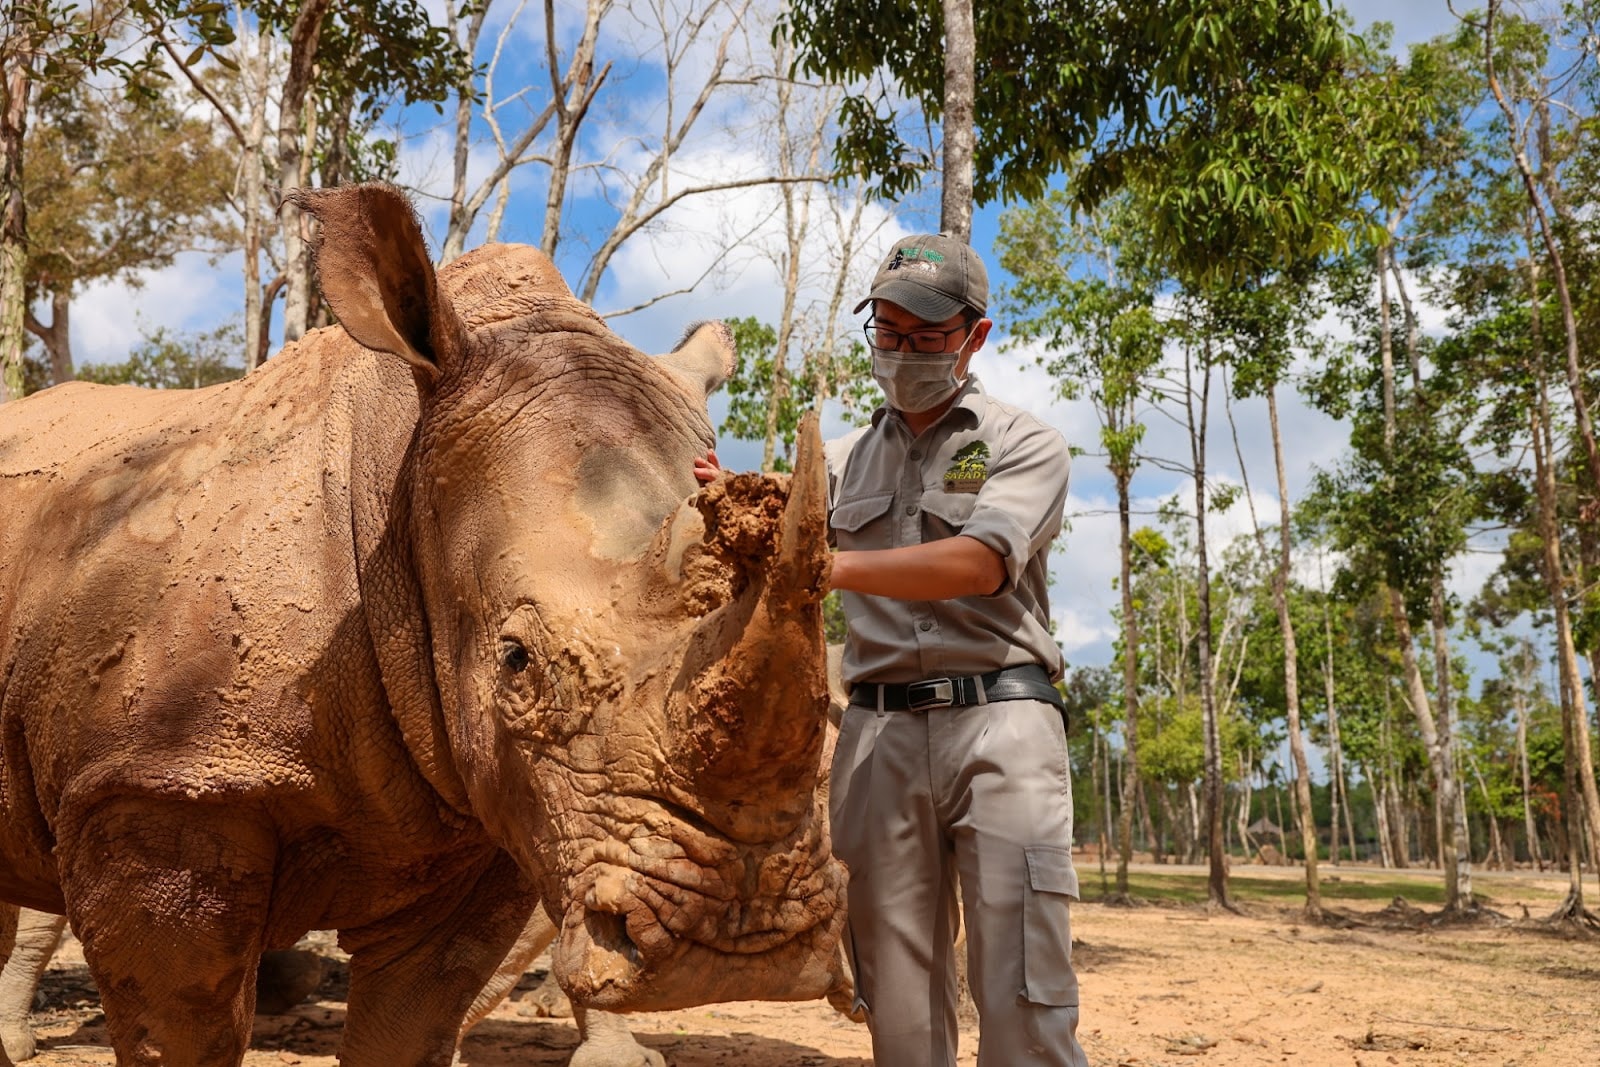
<point>914,382</point>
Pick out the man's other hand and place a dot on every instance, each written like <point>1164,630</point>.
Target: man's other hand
<point>706,467</point>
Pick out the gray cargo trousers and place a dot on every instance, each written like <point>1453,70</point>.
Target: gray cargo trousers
<point>985,792</point>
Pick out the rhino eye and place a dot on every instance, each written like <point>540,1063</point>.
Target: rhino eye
<point>514,656</point>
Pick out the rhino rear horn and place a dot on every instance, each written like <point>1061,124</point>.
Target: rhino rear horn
<point>377,277</point>
<point>703,360</point>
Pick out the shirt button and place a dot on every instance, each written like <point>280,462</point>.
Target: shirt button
<point>911,509</point>
<point>924,626</point>
<point>915,454</point>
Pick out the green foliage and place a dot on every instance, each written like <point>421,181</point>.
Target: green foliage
<point>374,51</point>
<point>1241,96</point>
<point>1174,753</point>
<point>117,187</point>
<point>1083,290</point>
<point>72,45</point>
<point>757,384</point>
<point>1151,550</point>
<point>763,386</point>
<point>165,360</point>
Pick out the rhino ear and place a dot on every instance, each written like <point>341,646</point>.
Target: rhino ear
<point>377,277</point>
<point>704,359</point>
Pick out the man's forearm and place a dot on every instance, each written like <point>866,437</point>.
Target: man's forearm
<point>937,570</point>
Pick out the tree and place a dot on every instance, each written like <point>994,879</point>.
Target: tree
<point>337,62</point>
<point>117,187</point>
<point>165,360</point>
<point>1082,294</point>
<point>48,46</point>
<point>1274,317</point>
<point>1537,185</point>
<point>1132,84</point>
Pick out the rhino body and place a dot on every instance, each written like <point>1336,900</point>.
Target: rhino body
<point>418,627</point>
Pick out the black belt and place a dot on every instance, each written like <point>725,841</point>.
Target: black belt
<point>1028,682</point>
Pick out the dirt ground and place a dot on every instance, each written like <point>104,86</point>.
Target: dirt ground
<point>1163,985</point>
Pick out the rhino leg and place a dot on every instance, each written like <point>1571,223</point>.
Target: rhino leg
<point>415,976</point>
<point>37,935</point>
<point>605,1040</point>
<point>535,938</point>
<point>170,908</point>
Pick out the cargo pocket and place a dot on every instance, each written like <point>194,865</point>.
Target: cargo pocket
<point>1047,974</point>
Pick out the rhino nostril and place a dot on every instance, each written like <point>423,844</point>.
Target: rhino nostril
<point>610,933</point>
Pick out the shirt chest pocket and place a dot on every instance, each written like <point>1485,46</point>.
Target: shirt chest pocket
<point>945,514</point>
<point>862,522</point>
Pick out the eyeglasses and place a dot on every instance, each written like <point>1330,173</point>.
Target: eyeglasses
<point>926,341</point>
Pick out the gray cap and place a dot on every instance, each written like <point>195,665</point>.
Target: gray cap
<point>933,276</point>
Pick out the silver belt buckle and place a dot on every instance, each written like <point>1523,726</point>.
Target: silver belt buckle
<point>932,693</point>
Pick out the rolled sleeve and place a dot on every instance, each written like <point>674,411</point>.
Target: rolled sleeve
<point>1022,502</point>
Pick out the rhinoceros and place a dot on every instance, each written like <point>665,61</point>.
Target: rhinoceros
<point>421,626</point>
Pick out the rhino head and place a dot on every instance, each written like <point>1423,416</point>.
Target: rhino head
<point>629,670</point>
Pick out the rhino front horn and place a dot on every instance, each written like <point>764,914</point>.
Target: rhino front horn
<point>803,559</point>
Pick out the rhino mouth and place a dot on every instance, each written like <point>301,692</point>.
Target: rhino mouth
<point>632,940</point>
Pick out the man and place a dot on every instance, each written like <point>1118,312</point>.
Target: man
<point>951,759</point>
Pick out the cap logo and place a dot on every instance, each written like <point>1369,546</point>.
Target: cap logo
<point>901,255</point>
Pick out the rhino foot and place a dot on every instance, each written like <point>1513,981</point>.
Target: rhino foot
<point>546,1000</point>
<point>607,1042</point>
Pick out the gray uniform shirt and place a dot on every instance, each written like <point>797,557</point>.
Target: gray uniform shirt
<point>986,470</point>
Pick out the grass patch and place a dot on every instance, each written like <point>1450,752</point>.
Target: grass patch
<point>1182,887</point>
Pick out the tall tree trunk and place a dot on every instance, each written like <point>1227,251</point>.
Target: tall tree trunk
<point>461,149</point>
<point>960,56</point>
<point>1099,767</point>
<point>16,81</point>
<point>1217,876</point>
<point>1291,671</point>
<point>571,96</point>
<point>1335,746</point>
<point>1555,577</point>
<point>1381,811</point>
<point>1146,820</point>
<point>1497,848</point>
<point>1440,757</point>
<point>1400,845</point>
<point>1535,856</point>
<point>1577,764</point>
<point>1283,838</point>
<point>1175,825</point>
<point>1130,679</point>
<point>257,308</point>
<point>293,153</point>
<point>797,229</point>
<point>1455,802</point>
<point>1241,819</point>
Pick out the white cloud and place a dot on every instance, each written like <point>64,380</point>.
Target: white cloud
<point>110,318</point>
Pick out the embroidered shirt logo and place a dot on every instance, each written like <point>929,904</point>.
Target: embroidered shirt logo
<point>970,469</point>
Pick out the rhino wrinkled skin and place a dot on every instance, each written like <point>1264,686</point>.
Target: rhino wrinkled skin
<point>420,626</point>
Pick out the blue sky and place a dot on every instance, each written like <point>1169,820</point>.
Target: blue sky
<point>196,294</point>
